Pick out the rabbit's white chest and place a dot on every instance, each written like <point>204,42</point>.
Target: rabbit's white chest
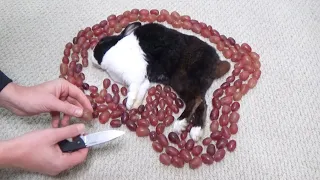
<point>125,61</point>
<point>116,78</point>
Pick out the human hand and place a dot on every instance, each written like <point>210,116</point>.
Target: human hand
<point>38,151</point>
<point>56,96</point>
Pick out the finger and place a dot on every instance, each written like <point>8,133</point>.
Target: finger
<point>63,98</point>
<point>73,101</point>
<point>65,107</point>
<point>65,120</point>
<point>77,94</point>
<point>55,119</point>
<point>70,131</point>
<point>70,160</point>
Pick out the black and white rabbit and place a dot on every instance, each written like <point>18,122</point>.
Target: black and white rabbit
<point>153,53</point>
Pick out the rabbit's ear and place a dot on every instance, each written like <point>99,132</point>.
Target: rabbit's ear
<point>130,28</point>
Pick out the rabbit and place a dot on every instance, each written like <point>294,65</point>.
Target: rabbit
<point>152,53</point>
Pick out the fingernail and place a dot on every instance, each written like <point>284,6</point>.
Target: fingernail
<point>80,128</point>
<point>78,112</point>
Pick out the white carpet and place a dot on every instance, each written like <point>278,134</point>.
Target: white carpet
<point>279,132</point>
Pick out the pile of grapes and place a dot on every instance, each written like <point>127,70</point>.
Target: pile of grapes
<point>162,103</point>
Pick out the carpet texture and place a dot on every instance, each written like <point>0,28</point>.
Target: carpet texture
<point>279,132</point>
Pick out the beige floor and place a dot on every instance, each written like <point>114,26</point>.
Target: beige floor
<point>279,128</point>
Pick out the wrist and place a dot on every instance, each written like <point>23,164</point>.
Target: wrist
<point>9,153</point>
<point>7,95</point>
<point>10,97</point>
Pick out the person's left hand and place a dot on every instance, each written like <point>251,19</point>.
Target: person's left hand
<point>56,96</point>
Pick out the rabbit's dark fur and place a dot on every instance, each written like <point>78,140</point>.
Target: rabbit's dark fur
<point>184,62</point>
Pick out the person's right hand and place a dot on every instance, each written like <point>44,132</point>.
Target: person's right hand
<point>38,151</point>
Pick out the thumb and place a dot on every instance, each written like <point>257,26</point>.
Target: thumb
<point>65,107</point>
<point>70,131</point>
